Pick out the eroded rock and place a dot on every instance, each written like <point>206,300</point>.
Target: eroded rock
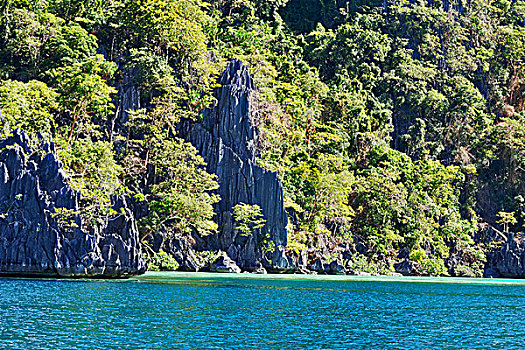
<point>508,261</point>
<point>226,138</point>
<point>33,242</point>
<point>223,263</point>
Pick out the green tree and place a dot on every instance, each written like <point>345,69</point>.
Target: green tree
<point>180,196</point>
<point>94,173</point>
<point>84,94</point>
<point>506,219</point>
<point>176,27</point>
<point>400,203</point>
<point>248,218</point>
<point>35,42</point>
<point>181,200</point>
<point>30,106</point>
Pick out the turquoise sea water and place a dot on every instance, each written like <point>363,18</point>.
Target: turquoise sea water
<point>213,311</point>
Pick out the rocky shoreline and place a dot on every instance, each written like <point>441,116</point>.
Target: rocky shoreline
<point>34,243</point>
<point>226,138</point>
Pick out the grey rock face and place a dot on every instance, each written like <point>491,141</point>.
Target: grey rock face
<point>405,268</point>
<point>321,266</point>
<point>223,263</point>
<point>226,139</point>
<point>508,261</point>
<point>34,242</point>
<point>260,270</point>
<point>182,252</point>
<point>129,97</point>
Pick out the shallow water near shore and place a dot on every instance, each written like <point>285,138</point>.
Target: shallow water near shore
<point>223,311</point>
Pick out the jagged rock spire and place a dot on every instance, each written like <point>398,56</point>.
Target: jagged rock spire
<point>226,139</point>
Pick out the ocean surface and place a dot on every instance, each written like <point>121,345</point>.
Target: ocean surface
<point>215,311</point>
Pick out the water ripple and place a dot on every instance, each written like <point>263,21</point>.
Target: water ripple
<point>192,311</point>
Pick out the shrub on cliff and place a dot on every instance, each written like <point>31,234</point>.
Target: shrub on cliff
<point>29,106</point>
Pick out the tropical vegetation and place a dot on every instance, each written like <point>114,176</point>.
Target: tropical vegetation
<point>396,127</point>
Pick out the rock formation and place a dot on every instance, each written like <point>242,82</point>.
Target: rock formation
<point>507,261</point>
<point>32,241</point>
<point>227,139</point>
<point>223,263</point>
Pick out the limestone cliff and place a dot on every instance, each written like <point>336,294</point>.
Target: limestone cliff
<point>226,139</point>
<point>32,242</point>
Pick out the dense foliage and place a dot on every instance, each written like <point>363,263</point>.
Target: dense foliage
<point>396,127</point>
